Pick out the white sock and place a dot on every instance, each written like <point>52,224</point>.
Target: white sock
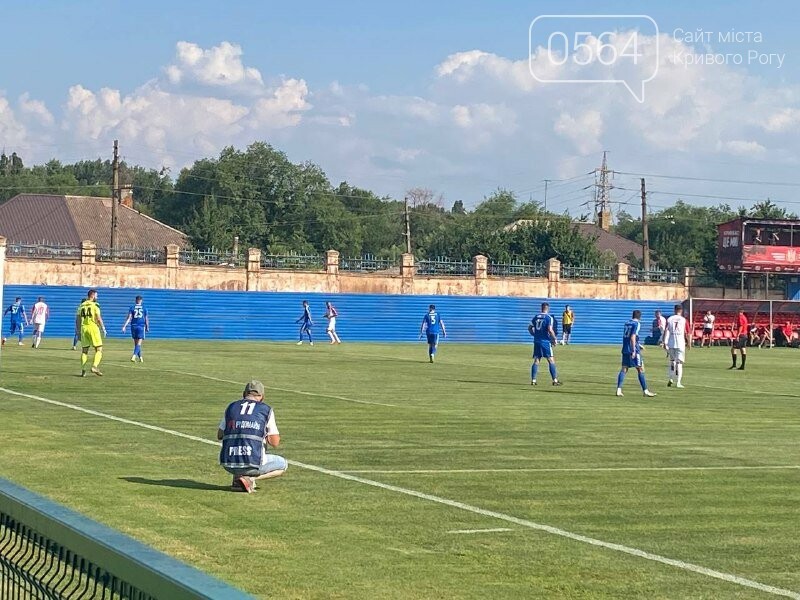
<point>679,371</point>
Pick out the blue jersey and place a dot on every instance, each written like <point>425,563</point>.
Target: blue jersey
<point>433,323</point>
<point>138,314</point>
<point>17,311</point>
<point>632,328</point>
<point>541,324</point>
<point>244,433</point>
<point>305,319</point>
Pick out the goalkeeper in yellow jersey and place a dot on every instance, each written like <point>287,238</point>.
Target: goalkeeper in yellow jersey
<point>89,323</point>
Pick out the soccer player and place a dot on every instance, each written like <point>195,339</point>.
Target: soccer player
<point>18,318</point>
<point>676,337</point>
<point>305,324</point>
<point>742,327</point>
<point>39,315</point>
<point>432,326</point>
<point>331,313</point>
<point>140,324</point>
<point>632,354</point>
<point>541,328</point>
<point>567,319</point>
<point>89,321</point>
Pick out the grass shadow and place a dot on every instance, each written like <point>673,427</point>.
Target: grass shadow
<point>189,484</point>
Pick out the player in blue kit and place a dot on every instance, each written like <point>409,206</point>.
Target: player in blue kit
<point>632,353</point>
<point>140,324</point>
<point>544,338</point>
<point>305,324</point>
<point>18,318</point>
<point>432,326</point>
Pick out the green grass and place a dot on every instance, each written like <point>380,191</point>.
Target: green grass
<point>313,535</point>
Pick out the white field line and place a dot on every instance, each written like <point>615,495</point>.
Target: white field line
<point>574,469</point>
<point>493,530</point>
<point>686,566</point>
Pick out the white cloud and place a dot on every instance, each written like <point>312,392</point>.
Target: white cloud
<point>483,122</point>
<point>216,66</point>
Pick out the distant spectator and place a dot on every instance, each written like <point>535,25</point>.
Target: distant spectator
<point>775,239</point>
<point>757,236</point>
<point>708,329</point>
<point>659,324</point>
<point>784,335</point>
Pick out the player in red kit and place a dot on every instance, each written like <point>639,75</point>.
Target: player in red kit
<point>741,327</point>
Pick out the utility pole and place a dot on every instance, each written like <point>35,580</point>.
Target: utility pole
<point>546,181</point>
<point>645,234</point>
<point>115,195</point>
<point>407,234</point>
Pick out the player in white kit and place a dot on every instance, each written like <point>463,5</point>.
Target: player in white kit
<point>39,315</point>
<point>674,340</point>
<point>331,314</point>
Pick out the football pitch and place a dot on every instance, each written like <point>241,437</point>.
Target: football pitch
<point>417,480</point>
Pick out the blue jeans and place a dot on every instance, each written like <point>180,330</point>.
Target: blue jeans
<point>273,463</point>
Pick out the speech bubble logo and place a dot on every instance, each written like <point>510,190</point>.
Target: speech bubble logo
<point>594,49</point>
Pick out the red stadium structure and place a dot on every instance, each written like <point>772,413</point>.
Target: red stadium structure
<point>779,320</point>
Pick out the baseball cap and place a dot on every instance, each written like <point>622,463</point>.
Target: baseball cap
<point>254,386</point>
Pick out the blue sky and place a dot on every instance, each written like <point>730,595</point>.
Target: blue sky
<point>401,95</point>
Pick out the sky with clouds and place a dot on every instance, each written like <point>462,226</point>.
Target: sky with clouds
<point>443,97</point>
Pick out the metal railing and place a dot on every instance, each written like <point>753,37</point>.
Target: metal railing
<point>366,264</point>
<point>48,552</point>
<point>587,272</point>
<point>137,255</point>
<point>654,275</point>
<point>295,262</point>
<point>445,266</point>
<point>43,251</point>
<point>223,258</point>
<point>514,269</point>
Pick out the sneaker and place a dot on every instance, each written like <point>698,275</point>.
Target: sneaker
<point>74,347</point>
<point>731,367</point>
<point>669,383</point>
<point>556,382</point>
<point>310,343</point>
<point>430,357</point>
<point>96,371</point>
<point>619,392</point>
<point>141,360</point>
<point>20,343</point>
<point>247,484</point>
<point>299,343</point>
<point>133,358</point>
<point>680,386</point>
<point>83,373</point>
<point>648,394</point>
<point>741,368</point>
<point>533,382</point>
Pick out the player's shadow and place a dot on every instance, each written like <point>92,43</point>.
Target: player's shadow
<point>511,383</point>
<point>189,484</point>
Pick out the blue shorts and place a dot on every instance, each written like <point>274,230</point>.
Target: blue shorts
<point>305,327</point>
<point>272,462</point>
<point>433,339</point>
<point>137,332</point>
<point>542,349</point>
<point>631,362</point>
<point>17,326</point>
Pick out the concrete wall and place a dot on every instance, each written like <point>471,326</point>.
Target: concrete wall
<point>88,272</point>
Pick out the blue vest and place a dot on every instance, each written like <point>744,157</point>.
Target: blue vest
<point>245,429</point>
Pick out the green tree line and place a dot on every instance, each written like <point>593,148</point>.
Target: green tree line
<point>269,202</point>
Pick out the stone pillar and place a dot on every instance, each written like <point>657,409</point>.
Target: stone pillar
<point>172,252</point>
<point>253,269</point>
<point>480,267</point>
<point>553,270</point>
<point>2,267</point>
<point>689,273</point>
<point>408,271</point>
<point>622,280</point>
<point>332,262</point>
<point>88,259</point>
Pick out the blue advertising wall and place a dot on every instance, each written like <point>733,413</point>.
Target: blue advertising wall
<point>196,314</point>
